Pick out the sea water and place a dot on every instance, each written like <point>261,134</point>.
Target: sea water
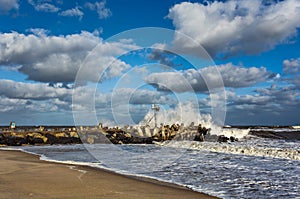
<point>250,168</point>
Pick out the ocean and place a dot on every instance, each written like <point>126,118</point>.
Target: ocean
<point>253,167</point>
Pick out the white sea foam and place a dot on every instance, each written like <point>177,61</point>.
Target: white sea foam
<point>10,149</point>
<point>241,149</point>
<point>276,129</point>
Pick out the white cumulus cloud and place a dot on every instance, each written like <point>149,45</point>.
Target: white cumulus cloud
<point>227,75</point>
<point>73,12</point>
<point>47,58</point>
<point>43,6</point>
<point>39,91</point>
<point>233,27</point>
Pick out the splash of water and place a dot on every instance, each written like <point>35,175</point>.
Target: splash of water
<point>188,114</point>
<point>234,132</point>
<point>182,114</point>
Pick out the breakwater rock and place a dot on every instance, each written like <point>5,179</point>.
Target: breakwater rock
<point>38,138</point>
<point>101,135</point>
<point>115,136</point>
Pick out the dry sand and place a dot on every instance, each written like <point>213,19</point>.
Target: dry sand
<point>23,175</point>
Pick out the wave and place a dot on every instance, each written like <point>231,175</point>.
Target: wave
<point>264,151</point>
<point>276,129</point>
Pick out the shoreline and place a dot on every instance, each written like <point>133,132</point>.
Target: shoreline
<point>24,175</point>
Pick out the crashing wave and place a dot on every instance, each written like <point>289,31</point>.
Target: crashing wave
<point>263,151</point>
<point>186,115</point>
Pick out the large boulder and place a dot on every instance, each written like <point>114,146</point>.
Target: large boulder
<point>199,137</point>
<point>62,134</point>
<point>222,138</point>
<point>36,138</point>
<point>51,139</point>
<point>233,139</point>
<point>2,139</point>
<point>15,141</point>
<point>122,137</point>
<point>201,132</point>
<point>62,138</point>
<point>74,134</point>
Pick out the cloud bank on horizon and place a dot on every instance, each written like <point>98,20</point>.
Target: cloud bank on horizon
<point>254,43</point>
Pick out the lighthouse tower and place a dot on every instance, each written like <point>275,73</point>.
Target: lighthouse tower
<point>155,108</point>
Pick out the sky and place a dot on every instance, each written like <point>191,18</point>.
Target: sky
<point>83,62</point>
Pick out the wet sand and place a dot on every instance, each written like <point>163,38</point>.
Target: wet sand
<point>23,175</point>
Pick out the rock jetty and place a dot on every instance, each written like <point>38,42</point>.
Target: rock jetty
<point>99,135</point>
<point>36,137</point>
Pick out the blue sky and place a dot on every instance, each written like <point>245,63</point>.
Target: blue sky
<point>239,56</point>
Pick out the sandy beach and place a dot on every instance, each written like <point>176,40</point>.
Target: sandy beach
<point>23,175</point>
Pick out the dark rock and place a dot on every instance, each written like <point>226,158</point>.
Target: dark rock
<point>51,139</point>
<point>2,139</point>
<point>233,139</point>
<point>33,140</point>
<point>37,141</point>
<point>222,138</point>
<point>15,141</point>
<point>199,138</point>
<point>201,132</point>
<point>64,140</point>
<point>122,137</point>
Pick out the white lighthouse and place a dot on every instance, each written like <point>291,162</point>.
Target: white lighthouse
<point>155,108</point>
